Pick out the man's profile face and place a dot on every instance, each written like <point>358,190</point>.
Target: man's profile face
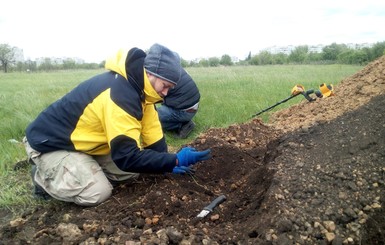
<point>161,86</point>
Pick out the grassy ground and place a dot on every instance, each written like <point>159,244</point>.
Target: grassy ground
<point>229,95</point>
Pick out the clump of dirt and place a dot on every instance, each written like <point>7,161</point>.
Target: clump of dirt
<point>314,175</point>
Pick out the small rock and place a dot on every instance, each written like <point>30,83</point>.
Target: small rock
<point>148,221</point>
<point>174,235</point>
<point>109,230</point>
<point>147,232</point>
<point>90,227</point>
<point>233,187</point>
<point>348,240</point>
<point>350,213</point>
<point>342,195</point>
<point>279,197</point>
<point>139,223</point>
<point>330,236</point>
<point>162,235</point>
<point>376,205</point>
<point>155,220</point>
<point>147,213</point>
<point>329,225</point>
<point>353,226</point>
<point>69,232</point>
<point>214,217</point>
<point>66,218</point>
<point>317,224</point>
<point>362,221</point>
<point>17,222</point>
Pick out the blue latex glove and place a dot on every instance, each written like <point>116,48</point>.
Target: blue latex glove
<point>183,170</point>
<point>189,156</point>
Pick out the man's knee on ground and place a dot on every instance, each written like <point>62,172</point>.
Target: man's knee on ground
<point>94,194</point>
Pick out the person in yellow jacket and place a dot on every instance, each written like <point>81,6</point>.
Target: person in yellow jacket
<point>107,130</point>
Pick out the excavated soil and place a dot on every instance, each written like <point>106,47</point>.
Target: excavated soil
<point>314,175</point>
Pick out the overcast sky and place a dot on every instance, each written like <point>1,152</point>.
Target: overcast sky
<point>94,29</point>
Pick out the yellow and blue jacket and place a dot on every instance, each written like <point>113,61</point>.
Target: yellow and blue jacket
<point>111,113</point>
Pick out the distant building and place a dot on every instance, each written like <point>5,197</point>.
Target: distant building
<point>316,48</point>
<point>19,55</point>
<point>359,45</point>
<point>234,59</point>
<point>58,61</point>
<point>280,49</point>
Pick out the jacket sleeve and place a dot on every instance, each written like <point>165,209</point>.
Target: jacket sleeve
<point>127,135</point>
<point>128,157</point>
<point>151,128</point>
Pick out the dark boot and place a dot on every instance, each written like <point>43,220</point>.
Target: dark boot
<point>38,191</point>
<point>186,129</point>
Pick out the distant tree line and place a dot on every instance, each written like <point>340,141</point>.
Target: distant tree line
<point>331,54</point>
<point>10,61</point>
<point>48,64</point>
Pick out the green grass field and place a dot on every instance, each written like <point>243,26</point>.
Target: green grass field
<point>228,95</point>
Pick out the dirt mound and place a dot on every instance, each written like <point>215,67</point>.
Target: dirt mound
<point>315,175</point>
<point>351,93</point>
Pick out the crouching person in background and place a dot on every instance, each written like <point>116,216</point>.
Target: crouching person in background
<point>180,106</point>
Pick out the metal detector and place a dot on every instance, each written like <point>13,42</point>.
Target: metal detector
<point>297,90</point>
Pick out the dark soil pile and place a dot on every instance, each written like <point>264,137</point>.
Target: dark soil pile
<point>314,175</point>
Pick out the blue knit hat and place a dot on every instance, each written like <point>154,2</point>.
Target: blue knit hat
<point>163,63</point>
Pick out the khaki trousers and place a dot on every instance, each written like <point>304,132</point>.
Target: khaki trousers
<point>75,176</point>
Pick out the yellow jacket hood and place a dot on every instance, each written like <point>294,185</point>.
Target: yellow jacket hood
<point>151,95</point>
<point>117,63</point>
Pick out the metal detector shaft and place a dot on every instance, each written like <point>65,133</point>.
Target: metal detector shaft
<point>278,103</point>
<point>305,94</point>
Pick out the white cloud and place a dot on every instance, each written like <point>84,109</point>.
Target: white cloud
<point>94,29</point>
